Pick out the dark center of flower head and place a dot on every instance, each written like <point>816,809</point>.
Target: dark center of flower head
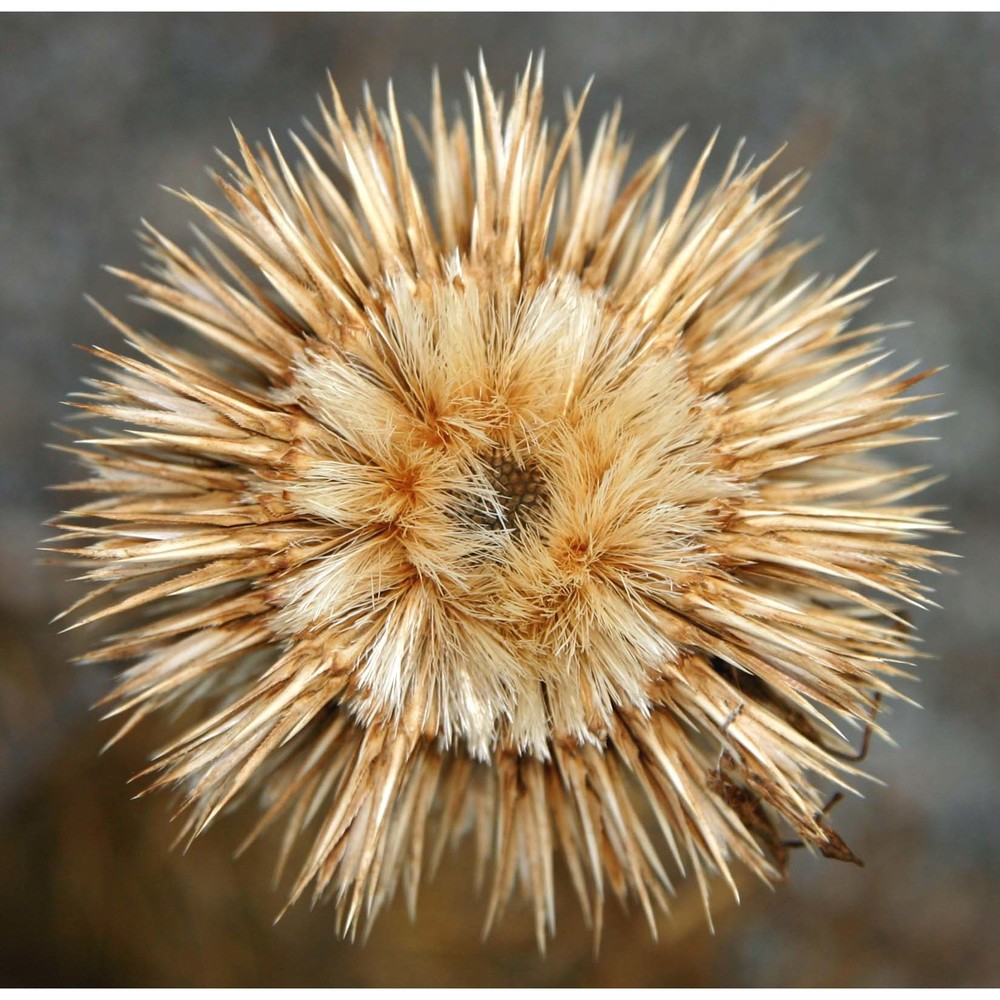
<point>518,492</point>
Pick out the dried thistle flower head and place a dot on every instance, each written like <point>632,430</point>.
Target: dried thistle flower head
<point>544,513</point>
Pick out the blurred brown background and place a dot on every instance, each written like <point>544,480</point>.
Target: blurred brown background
<point>899,119</point>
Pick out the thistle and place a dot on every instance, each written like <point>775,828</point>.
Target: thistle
<point>524,505</point>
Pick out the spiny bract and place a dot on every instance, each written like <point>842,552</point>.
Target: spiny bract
<point>543,513</point>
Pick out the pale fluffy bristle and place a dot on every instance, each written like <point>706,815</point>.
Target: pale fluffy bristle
<point>542,513</point>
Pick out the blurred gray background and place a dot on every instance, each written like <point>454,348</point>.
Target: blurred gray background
<point>899,120</point>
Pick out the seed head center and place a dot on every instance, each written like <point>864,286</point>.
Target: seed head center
<point>518,489</point>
